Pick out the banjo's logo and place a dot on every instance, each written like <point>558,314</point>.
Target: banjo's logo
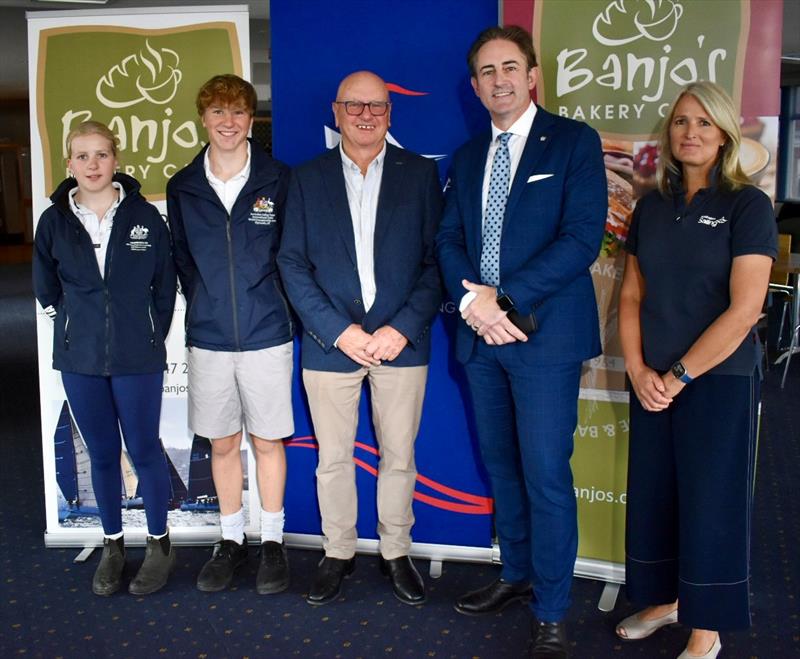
<point>149,75</point>
<point>626,21</point>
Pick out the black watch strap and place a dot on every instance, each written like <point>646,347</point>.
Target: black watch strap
<point>505,302</point>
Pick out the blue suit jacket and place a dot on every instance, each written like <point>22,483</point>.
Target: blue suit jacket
<point>552,232</point>
<point>317,258</point>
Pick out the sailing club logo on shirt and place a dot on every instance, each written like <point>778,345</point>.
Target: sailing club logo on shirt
<point>138,241</point>
<point>711,221</point>
<point>263,211</point>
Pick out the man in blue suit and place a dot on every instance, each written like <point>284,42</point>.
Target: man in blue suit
<point>357,260</point>
<point>524,217</point>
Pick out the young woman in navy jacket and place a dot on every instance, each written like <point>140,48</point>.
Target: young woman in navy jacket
<point>103,272</point>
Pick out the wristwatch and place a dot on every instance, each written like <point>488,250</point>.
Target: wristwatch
<point>680,373</point>
<point>504,301</point>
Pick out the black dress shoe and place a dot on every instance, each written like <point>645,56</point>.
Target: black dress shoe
<point>328,582</point>
<point>493,598</point>
<point>108,575</point>
<point>549,640</point>
<point>407,585</point>
<point>273,569</point>
<point>217,573</point>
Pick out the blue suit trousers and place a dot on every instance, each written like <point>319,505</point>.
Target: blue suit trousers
<point>526,416</point>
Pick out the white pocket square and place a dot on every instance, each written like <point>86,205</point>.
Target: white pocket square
<point>538,177</point>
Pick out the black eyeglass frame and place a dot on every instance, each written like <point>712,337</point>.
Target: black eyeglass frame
<point>371,104</point>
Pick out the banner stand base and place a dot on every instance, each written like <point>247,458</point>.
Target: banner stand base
<point>84,554</point>
<point>608,598</point>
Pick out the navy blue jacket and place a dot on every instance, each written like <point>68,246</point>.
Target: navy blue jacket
<point>319,266</point>
<point>116,324</point>
<point>553,226</point>
<point>226,263</point>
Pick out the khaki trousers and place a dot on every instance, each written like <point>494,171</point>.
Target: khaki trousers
<point>397,395</point>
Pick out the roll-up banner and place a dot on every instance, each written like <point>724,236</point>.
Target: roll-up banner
<point>617,65</point>
<point>420,50</point>
<point>138,72</point>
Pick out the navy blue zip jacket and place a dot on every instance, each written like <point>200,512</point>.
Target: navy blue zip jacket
<point>116,324</point>
<point>226,263</point>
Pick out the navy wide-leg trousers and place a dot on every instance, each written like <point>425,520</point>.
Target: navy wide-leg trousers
<point>690,487</point>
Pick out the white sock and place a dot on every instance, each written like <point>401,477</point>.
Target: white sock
<point>233,526</point>
<point>158,537</point>
<point>114,536</point>
<point>271,526</point>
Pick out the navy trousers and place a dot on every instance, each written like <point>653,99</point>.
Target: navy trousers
<point>100,407</point>
<point>690,487</point>
<point>526,417</point>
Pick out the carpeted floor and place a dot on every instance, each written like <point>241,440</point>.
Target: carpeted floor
<point>47,608</point>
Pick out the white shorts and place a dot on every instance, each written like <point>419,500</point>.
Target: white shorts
<point>228,388</point>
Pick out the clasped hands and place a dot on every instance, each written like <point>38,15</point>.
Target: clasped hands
<point>486,318</point>
<point>384,344</point>
<point>655,392</point>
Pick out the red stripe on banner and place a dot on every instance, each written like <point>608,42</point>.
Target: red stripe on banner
<point>473,504</point>
<point>397,89</point>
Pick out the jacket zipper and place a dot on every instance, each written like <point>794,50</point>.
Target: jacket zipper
<point>285,306</point>
<point>152,326</point>
<point>231,276</point>
<point>109,262</point>
<point>66,324</point>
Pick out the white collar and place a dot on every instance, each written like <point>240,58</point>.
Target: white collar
<point>521,126</point>
<point>348,162</point>
<point>244,173</point>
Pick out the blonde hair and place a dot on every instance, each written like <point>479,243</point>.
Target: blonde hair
<point>91,128</point>
<point>719,107</point>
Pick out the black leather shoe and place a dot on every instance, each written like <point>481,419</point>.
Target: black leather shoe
<point>273,569</point>
<point>108,575</point>
<point>548,640</point>
<point>493,598</point>
<point>328,582</point>
<point>159,561</point>
<point>407,585</point>
<point>217,573</point>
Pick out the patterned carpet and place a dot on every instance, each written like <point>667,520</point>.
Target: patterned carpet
<point>47,608</point>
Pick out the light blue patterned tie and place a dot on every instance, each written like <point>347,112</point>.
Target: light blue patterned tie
<point>495,210</point>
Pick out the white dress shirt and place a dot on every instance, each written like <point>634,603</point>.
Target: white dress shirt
<point>519,130</point>
<point>99,230</point>
<point>229,190</point>
<point>362,197</point>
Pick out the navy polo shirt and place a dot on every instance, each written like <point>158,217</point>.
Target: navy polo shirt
<point>685,255</point>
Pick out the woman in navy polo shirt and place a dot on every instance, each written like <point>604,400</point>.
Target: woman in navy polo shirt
<point>103,272</point>
<point>700,250</point>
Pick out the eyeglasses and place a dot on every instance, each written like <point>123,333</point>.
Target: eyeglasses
<point>356,108</point>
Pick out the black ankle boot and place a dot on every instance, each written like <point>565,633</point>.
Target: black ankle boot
<point>108,575</point>
<point>159,560</point>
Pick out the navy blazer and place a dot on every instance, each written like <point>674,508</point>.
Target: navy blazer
<point>552,230</point>
<point>317,258</point>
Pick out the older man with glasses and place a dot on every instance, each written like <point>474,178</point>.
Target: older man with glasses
<point>357,261</point>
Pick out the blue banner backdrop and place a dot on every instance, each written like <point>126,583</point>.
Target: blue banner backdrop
<point>419,48</point>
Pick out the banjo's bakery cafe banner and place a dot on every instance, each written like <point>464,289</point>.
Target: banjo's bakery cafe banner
<point>617,65</point>
<point>138,72</point>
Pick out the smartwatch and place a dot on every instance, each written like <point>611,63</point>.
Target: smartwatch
<point>504,301</point>
<point>680,373</point>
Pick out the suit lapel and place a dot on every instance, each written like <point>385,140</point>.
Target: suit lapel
<point>538,141</point>
<point>336,190</point>
<point>474,185</point>
<point>390,195</point>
